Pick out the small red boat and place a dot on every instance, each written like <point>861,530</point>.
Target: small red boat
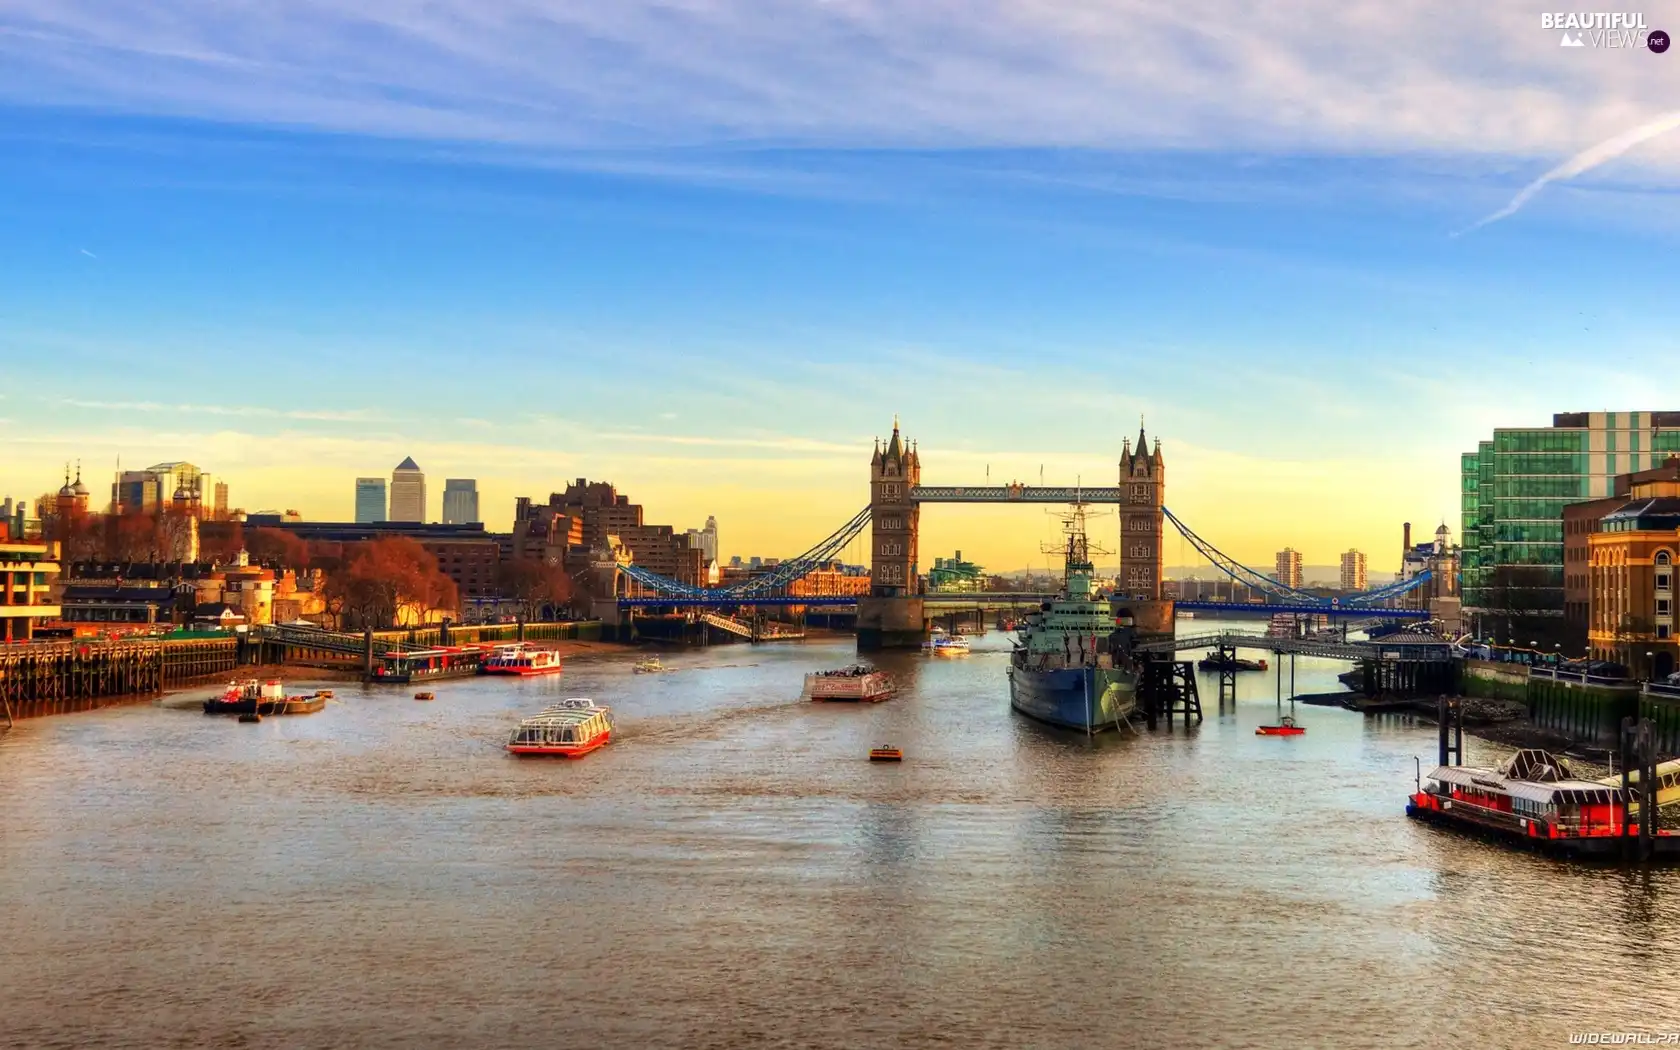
<point>1286,727</point>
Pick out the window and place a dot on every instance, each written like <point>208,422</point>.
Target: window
<point>891,550</point>
<point>1140,493</point>
<point>889,489</point>
<point>1663,558</point>
<point>1138,550</point>
<point>1662,606</point>
<point>1662,581</point>
<point>1662,630</point>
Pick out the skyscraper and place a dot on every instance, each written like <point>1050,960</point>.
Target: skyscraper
<point>220,509</point>
<point>149,491</point>
<point>408,492</point>
<point>1354,577</point>
<point>1288,568</point>
<point>709,539</point>
<point>460,501</point>
<point>370,500</point>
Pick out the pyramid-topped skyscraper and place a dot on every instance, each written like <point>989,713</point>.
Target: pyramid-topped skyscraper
<point>408,492</point>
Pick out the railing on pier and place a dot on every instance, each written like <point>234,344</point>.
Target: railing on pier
<point>1662,691</point>
<point>1269,643</point>
<point>1563,674</point>
<point>727,624</point>
<point>49,677</point>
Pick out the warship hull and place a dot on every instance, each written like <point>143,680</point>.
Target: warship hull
<point>1084,698</point>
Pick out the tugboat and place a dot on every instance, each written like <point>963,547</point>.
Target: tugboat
<point>251,697</point>
<point>1213,661</point>
<point>649,665</point>
<point>1069,667</point>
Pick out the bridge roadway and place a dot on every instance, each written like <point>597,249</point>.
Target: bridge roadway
<point>1015,494</point>
<point>983,599</point>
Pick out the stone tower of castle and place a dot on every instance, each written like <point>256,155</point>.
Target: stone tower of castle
<point>893,471</point>
<point>1143,485</point>
<point>892,617</point>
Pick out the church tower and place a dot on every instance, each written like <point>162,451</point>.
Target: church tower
<point>1143,487</point>
<point>893,472</point>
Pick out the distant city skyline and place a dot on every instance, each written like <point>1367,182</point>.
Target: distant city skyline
<point>982,522</point>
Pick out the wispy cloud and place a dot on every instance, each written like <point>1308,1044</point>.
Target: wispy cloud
<point>245,411</point>
<point>1585,161</point>
<point>87,253</point>
<point>1334,75</point>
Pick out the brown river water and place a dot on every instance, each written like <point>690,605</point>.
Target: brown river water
<point>733,872</point>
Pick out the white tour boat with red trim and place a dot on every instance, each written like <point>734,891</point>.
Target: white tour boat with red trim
<point>569,729</point>
<point>518,660</point>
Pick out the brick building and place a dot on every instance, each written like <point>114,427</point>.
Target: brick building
<point>1580,521</point>
<point>586,517</point>
<point>1631,561</point>
<point>465,553</point>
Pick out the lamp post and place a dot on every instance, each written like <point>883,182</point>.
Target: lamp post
<point>1650,666</point>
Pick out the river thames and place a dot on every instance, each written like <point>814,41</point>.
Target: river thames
<point>733,872</point>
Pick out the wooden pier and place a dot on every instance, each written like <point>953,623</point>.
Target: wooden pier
<point>44,678</point>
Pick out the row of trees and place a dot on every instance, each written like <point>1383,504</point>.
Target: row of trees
<point>124,537</point>
<point>389,580</point>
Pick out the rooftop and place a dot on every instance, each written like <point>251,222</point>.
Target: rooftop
<point>1659,514</point>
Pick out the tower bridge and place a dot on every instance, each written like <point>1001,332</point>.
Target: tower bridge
<point>894,614</point>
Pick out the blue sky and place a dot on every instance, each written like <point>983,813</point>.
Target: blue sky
<point>707,250</point>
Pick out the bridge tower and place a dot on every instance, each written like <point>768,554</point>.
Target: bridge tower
<point>1143,484</point>
<point>892,616</point>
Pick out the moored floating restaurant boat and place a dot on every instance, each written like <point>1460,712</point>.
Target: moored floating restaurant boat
<point>571,728</point>
<point>886,753</point>
<point>423,665</point>
<point>1534,800</point>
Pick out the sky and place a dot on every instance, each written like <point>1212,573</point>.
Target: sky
<point>707,249</point>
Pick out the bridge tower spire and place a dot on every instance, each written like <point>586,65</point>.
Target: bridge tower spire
<point>1143,486</point>
<point>891,617</point>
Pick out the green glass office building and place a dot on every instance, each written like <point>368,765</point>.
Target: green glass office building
<point>1513,490</point>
